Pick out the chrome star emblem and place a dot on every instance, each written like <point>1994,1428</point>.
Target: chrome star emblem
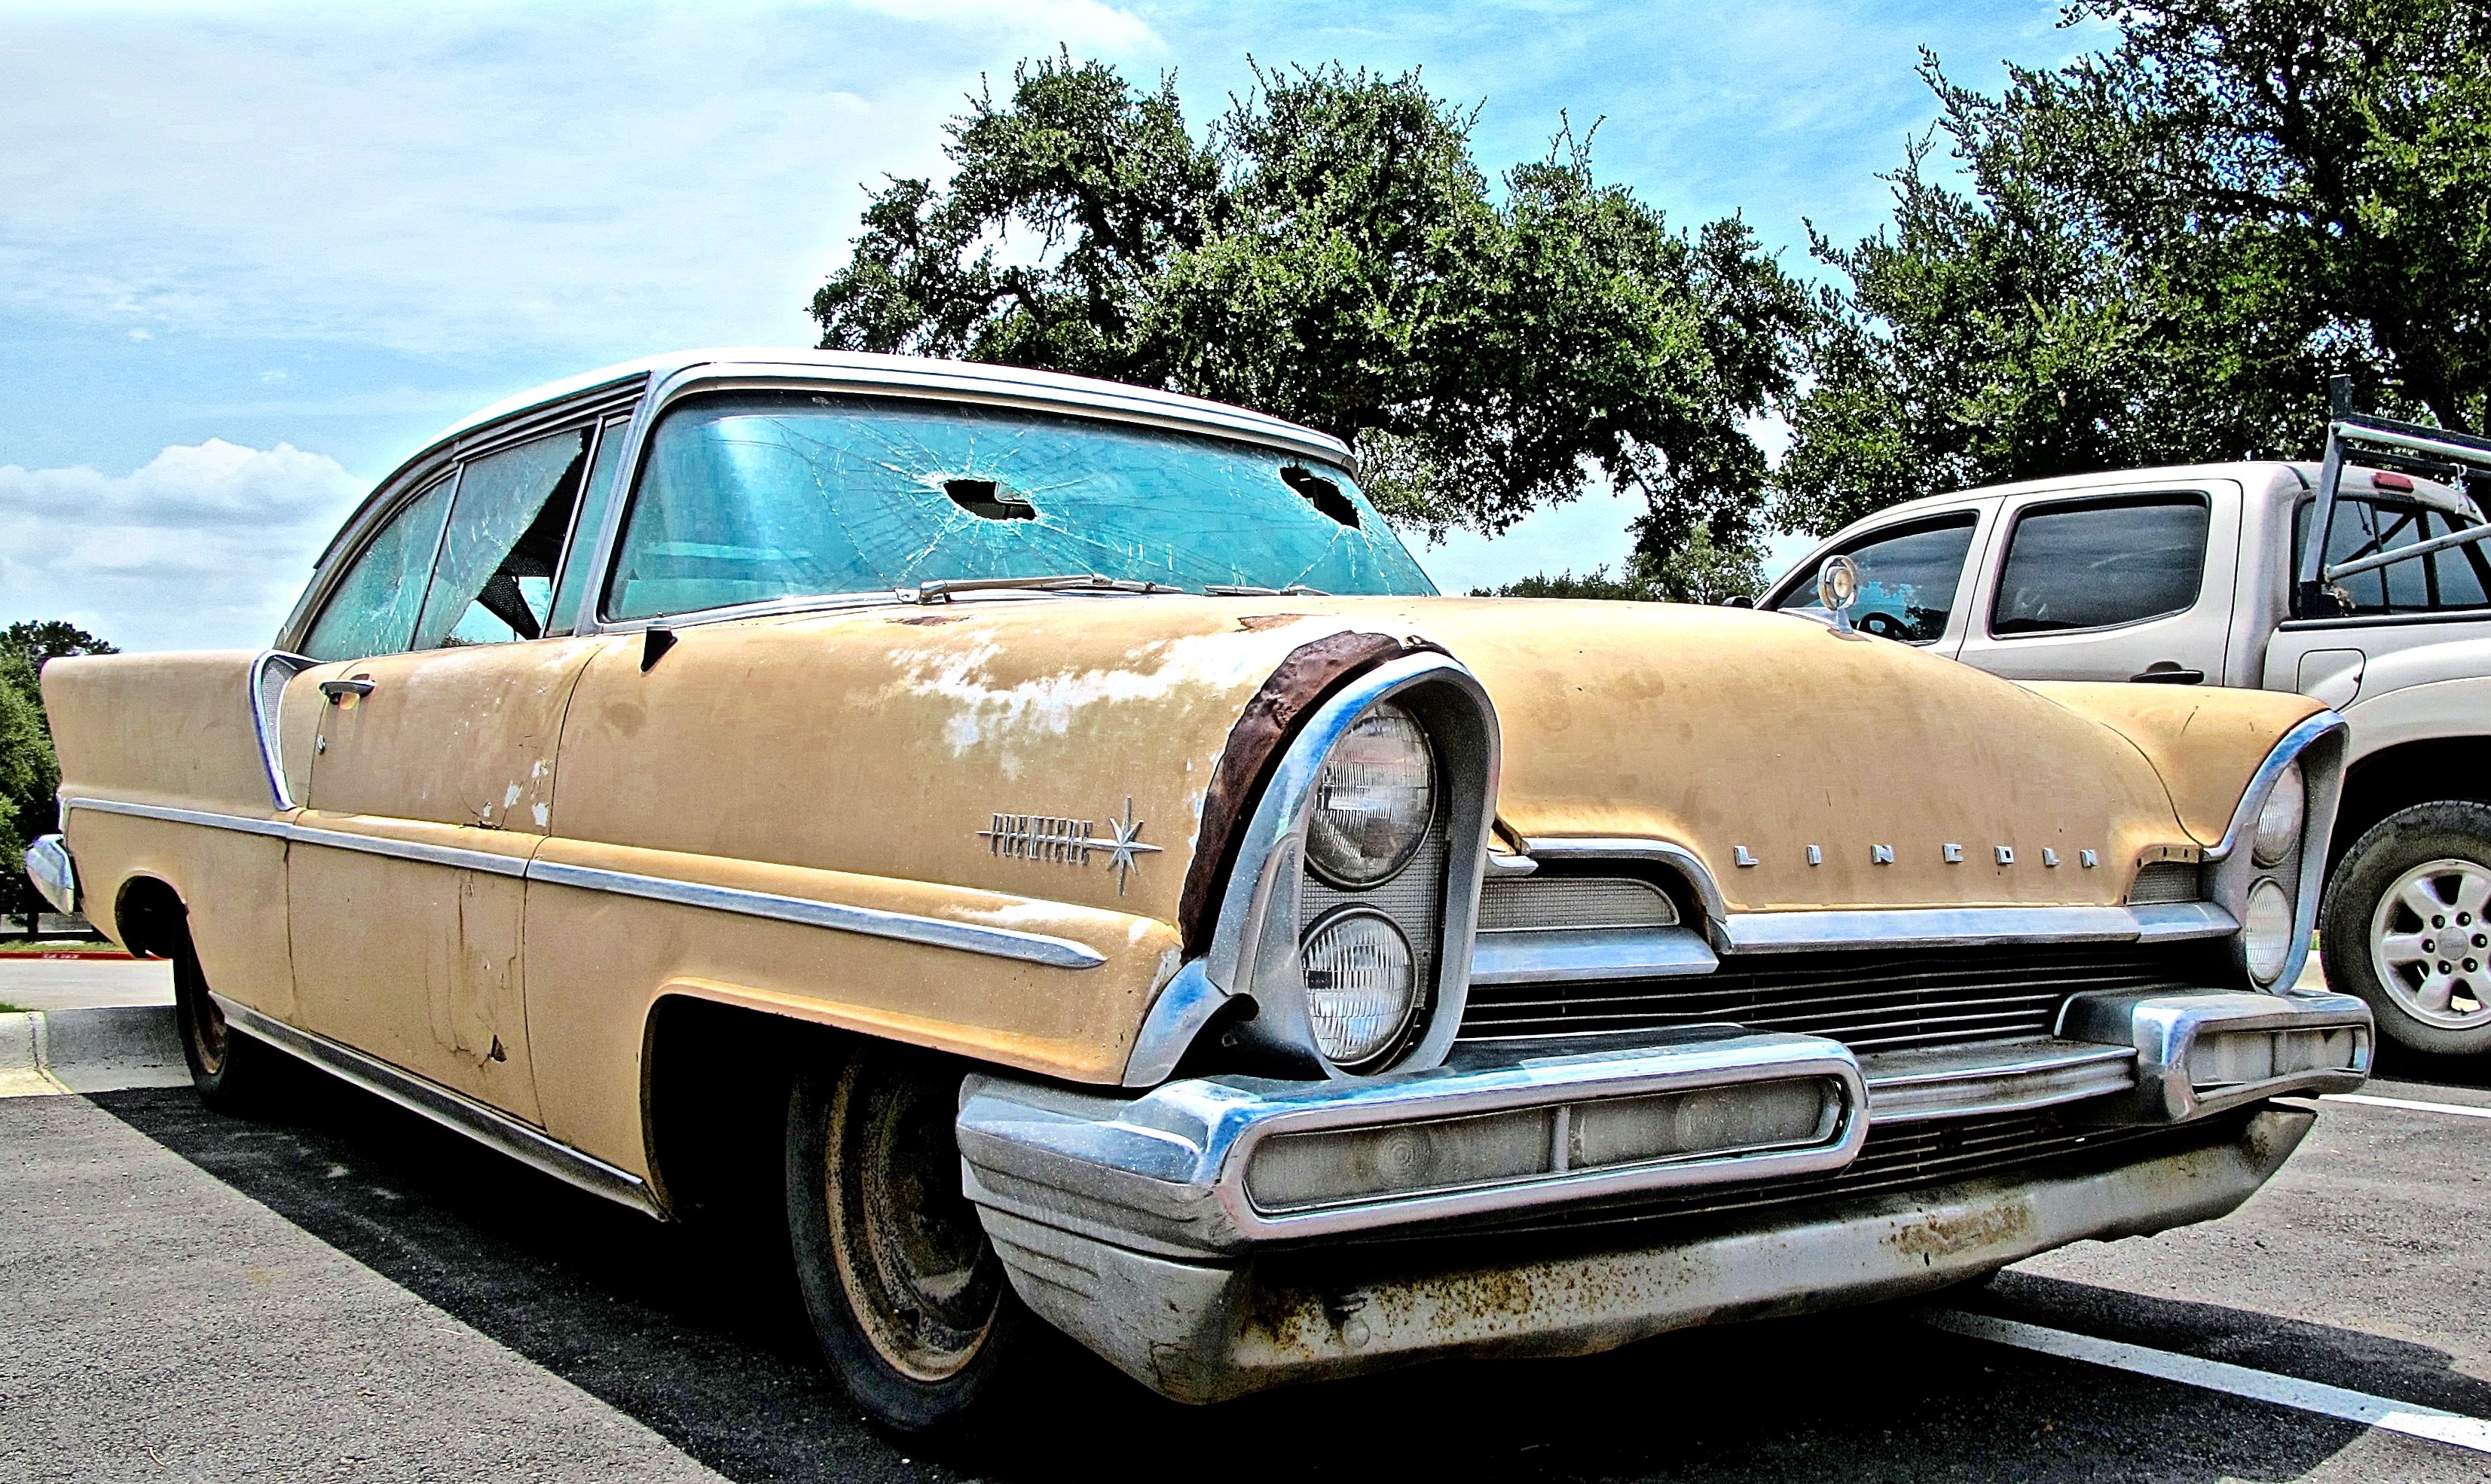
<point>1126,846</point>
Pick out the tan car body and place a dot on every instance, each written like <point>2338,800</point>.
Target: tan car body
<point>1062,836</point>
<point>853,758</point>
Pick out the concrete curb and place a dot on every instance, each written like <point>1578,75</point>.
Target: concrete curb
<point>94,1050</point>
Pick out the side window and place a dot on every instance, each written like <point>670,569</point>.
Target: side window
<point>372,610</point>
<point>1907,580</point>
<point>2101,563</point>
<point>594,502</point>
<point>494,581</point>
<point>2454,578</point>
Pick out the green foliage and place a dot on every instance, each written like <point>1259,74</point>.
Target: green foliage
<point>1332,254</point>
<point>2165,251</point>
<point>29,774</point>
<point>1698,571</point>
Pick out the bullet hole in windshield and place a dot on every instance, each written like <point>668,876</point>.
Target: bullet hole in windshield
<point>1321,493</point>
<point>978,498</point>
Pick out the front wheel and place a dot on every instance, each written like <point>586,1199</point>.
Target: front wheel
<point>2406,928</point>
<point>906,1293</point>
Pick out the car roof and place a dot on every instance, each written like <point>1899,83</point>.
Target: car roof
<point>2250,474</point>
<point>1017,383</point>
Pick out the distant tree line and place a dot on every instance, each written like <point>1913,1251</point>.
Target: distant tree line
<point>2158,254</point>
<point>29,773</point>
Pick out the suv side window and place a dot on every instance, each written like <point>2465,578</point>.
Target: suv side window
<point>1907,578</point>
<point>372,609</point>
<point>494,581</point>
<point>2460,577</point>
<point>2101,563</point>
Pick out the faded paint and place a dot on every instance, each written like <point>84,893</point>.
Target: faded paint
<point>854,757</point>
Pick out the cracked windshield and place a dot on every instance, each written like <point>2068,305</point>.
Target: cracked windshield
<point>756,496</point>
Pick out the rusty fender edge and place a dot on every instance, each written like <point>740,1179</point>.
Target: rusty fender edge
<point>1205,1332</point>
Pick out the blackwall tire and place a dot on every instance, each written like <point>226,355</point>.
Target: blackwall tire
<point>233,1072</point>
<point>2405,929</point>
<point>907,1296</point>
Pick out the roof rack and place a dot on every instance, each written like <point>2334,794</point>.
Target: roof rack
<point>2457,458</point>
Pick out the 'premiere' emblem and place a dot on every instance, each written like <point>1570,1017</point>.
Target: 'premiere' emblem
<point>1070,841</point>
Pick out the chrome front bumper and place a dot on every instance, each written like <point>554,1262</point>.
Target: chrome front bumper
<point>1138,1224</point>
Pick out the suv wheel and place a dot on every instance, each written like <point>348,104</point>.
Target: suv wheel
<point>906,1293</point>
<point>2406,927</point>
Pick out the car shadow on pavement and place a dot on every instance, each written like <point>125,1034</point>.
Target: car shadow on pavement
<point>703,1340</point>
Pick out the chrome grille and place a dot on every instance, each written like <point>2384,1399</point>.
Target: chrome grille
<point>1868,1001</point>
<point>2164,880</point>
<point>1520,905</point>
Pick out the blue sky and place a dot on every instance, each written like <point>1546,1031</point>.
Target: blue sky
<point>253,255</point>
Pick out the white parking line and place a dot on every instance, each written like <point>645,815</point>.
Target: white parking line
<point>2219,1375</point>
<point>2367,1101</point>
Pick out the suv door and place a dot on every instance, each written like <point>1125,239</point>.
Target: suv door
<point>1912,574</point>
<point>432,772</point>
<point>2111,586</point>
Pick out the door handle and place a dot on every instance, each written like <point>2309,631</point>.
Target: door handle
<point>336,690</point>
<point>2167,672</point>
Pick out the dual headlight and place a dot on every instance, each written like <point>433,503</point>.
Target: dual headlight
<point>1373,803</point>
<point>2267,926</point>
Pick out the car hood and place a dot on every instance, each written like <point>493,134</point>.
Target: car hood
<point>884,740</point>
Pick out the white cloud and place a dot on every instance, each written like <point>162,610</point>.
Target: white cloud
<point>462,179</point>
<point>204,547</point>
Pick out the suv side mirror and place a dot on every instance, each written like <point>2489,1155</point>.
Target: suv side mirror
<point>1742,600</point>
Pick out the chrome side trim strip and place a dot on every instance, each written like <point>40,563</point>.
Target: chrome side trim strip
<point>2253,798</point>
<point>936,932</point>
<point>528,1145</point>
<point>993,942</point>
<point>240,824</point>
<point>1954,1081</point>
<point>1557,955</point>
<point>482,861</point>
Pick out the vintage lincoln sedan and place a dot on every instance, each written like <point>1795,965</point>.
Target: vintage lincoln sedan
<point>1050,839</point>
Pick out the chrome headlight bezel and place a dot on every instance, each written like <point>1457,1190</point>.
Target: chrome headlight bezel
<point>2313,752</point>
<point>1258,948</point>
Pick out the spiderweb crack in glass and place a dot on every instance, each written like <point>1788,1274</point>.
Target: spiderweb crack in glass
<point>758,496</point>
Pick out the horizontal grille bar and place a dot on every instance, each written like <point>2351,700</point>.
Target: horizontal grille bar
<point>1895,1158</point>
<point>1868,1001</point>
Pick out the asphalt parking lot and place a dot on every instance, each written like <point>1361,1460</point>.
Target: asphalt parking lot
<point>348,1292</point>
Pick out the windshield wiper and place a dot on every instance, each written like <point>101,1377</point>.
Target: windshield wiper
<point>1242,589</point>
<point>940,590</point>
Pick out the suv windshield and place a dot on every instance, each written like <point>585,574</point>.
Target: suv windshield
<point>752,496</point>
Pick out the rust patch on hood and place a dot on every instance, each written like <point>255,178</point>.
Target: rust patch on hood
<point>1256,623</point>
<point>929,620</point>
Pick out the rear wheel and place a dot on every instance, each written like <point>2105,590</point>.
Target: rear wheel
<point>2406,927</point>
<point>906,1293</point>
<point>232,1072</point>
